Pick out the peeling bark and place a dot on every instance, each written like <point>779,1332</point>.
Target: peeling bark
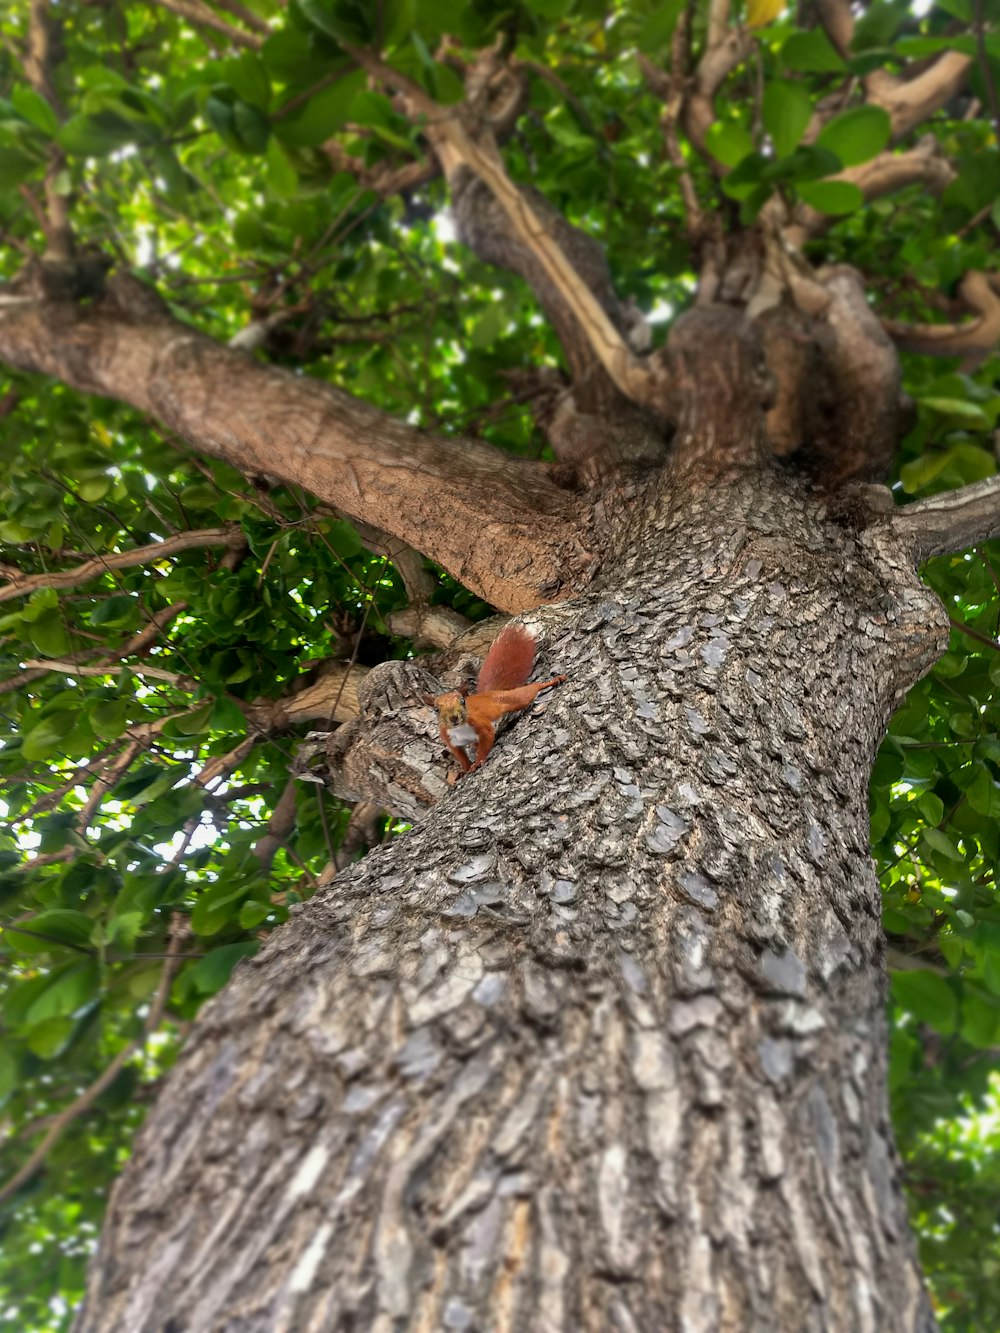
<point>601,1044</point>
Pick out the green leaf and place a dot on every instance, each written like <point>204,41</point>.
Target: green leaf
<point>33,107</point>
<point>120,609</point>
<point>50,1038</point>
<point>46,930</point>
<point>73,988</point>
<point>811,52</point>
<point>969,414</point>
<point>745,178</point>
<point>10,1073</point>
<point>931,807</point>
<point>282,180</point>
<point>831,197</point>
<point>47,736</point>
<point>323,114</point>
<point>247,75</point>
<point>49,635</point>
<point>96,136</point>
<point>940,842</point>
<point>93,489</point>
<point>787,109</point>
<point>197,721</point>
<point>658,29</point>
<point>342,19</point>
<point>212,972</point>
<point>922,471</point>
<point>108,719</point>
<point>983,794</point>
<point>807,163</point>
<point>856,135</point>
<point>488,326</point>
<point>928,997</point>
<point>16,166</point>
<point>728,141</point>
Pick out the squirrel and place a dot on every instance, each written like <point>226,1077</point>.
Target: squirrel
<point>501,688</point>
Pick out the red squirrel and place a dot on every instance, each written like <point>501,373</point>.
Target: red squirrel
<point>468,719</point>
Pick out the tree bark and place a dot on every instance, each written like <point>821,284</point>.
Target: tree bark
<point>497,523</point>
<point>601,1043</point>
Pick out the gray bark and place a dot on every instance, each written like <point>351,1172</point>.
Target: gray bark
<point>600,1044</point>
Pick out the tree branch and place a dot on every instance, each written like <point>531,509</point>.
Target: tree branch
<point>333,697</point>
<point>198,14</point>
<point>38,61</point>
<point>923,165</point>
<point>230,536</point>
<point>952,521</point>
<point>979,291</point>
<point>431,492</point>
<point>909,102</point>
<point>457,149</point>
<point>187,683</point>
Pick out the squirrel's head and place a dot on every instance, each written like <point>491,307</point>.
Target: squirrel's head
<point>451,709</point>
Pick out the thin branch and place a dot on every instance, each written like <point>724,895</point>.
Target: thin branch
<point>279,826</point>
<point>230,536</point>
<point>952,521</point>
<point>104,1080</point>
<point>974,634</point>
<point>198,14</point>
<point>140,641</point>
<point>245,15</point>
<point>981,293</point>
<point>361,831</point>
<point>186,683</point>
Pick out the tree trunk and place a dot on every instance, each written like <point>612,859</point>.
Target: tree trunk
<point>600,1044</point>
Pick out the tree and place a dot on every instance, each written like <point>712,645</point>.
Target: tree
<point>600,1042</point>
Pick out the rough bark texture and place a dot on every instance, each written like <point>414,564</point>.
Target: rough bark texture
<point>600,1044</point>
<point>497,523</point>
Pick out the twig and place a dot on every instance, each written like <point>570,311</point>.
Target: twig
<point>230,535</point>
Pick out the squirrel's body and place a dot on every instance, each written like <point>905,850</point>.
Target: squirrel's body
<point>501,688</point>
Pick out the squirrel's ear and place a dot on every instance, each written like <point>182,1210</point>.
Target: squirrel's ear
<point>429,700</point>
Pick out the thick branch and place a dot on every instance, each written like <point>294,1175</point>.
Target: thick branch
<point>909,102</point>
<point>981,292</point>
<point>21,586</point>
<point>923,165</point>
<point>332,698</point>
<point>952,521</point>
<point>496,523</point>
<point>457,149</point>
<point>717,63</point>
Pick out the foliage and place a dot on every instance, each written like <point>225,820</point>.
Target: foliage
<point>209,171</point>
